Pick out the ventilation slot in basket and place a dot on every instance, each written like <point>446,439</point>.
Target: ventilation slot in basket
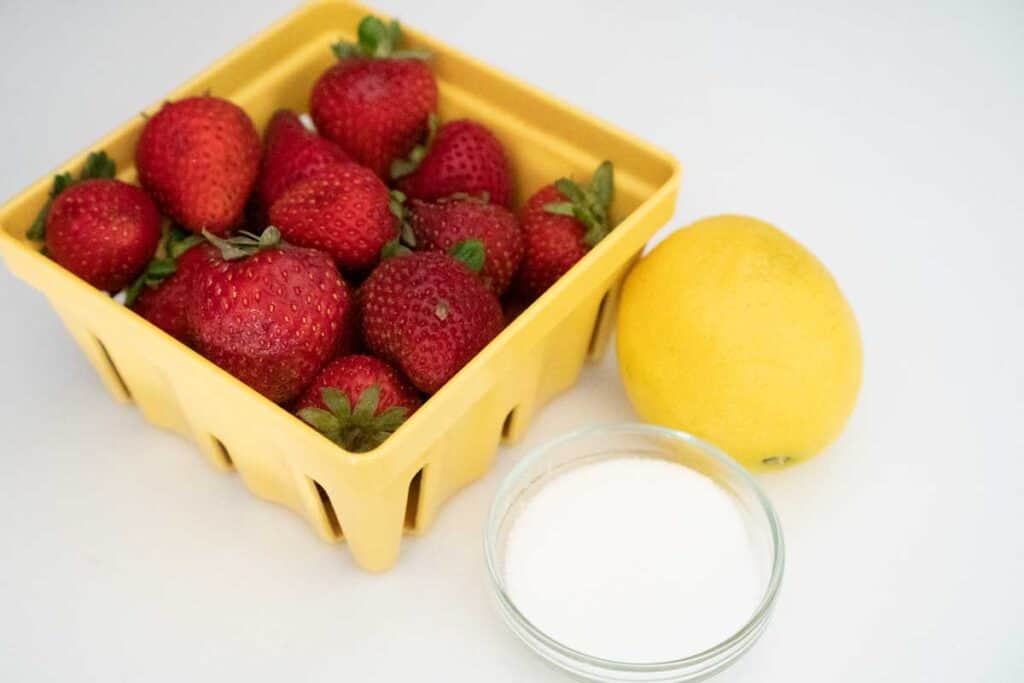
<point>509,424</point>
<point>412,501</point>
<point>220,452</point>
<point>328,509</point>
<point>599,324</point>
<point>113,369</point>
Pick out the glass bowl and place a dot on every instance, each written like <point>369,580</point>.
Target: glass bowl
<point>615,441</point>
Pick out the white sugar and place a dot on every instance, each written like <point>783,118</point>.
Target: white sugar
<point>633,559</point>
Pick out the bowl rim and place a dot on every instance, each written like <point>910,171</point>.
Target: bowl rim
<point>726,651</point>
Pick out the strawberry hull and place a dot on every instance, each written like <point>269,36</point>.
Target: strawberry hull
<point>371,499</point>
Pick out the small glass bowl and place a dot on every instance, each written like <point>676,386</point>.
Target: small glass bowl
<point>613,441</point>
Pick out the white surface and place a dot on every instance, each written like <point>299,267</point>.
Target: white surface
<point>887,138</point>
<point>686,571</point>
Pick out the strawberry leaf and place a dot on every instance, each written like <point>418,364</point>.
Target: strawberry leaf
<point>372,440</point>
<point>403,167</point>
<point>392,418</point>
<point>321,420</point>
<point>393,36</point>
<point>470,252</point>
<point>162,268</point>
<point>357,429</point>
<point>37,231</point>
<point>423,55</point>
<point>175,242</point>
<point>561,209</point>
<point>377,40</point>
<point>366,406</point>
<point>343,50</point>
<point>393,248</point>
<point>177,247</point>
<point>375,37</point>
<point>245,243</point>
<point>228,251</point>
<point>60,183</point>
<point>158,270</point>
<point>602,184</point>
<point>396,204</point>
<point>408,236</point>
<point>588,204</point>
<point>336,401</point>
<point>98,165</point>
<point>571,190</point>
<point>270,237</point>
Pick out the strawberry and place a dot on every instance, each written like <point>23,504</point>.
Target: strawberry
<point>345,211</point>
<point>448,224</point>
<point>357,401</point>
<point>291,153</point>
<point>428,314</point>
<point>198,157</point>
<point>104,231</point>
<point>463,157</point>
<point>271,314</point>
<point>560,224</point>
<point>375,101</point>
<point>163,293</point>
<point>101,229</point>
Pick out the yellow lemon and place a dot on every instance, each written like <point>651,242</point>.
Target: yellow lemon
<point>734,332</point>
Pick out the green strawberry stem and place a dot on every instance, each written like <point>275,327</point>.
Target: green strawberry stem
<point>393,248</point>
<point>357,429</point>
<point>482,198</point>
<point>97,165</point>
<point>178,240</point>
<point>245,243</point>
<point>377,40</point>
<point>175,242</point>
<point>471,253</point>
<point>590,204</point>
<point>396,204</point>
<point>158,270</point>
<point>405,240</point>
<point>403,167</point>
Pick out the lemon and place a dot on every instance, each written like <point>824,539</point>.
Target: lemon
<point>734,332</point>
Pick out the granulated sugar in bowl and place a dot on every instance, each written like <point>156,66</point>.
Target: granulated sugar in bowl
<point>634,553</point>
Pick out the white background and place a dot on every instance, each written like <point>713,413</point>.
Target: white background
<point>886,137</point>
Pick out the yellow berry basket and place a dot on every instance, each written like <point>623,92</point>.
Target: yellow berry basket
<point>370,499</point>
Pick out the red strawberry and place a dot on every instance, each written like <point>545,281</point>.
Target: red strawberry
<point>291,153</point>
<point>375,101</point>
<point>101,229</point>
<point>342,210</point>
<point>561,223</point>
<point>271,314</point>
<point>358,401</point>
<point>162,296</point>
<point>464,157</point>
<point>199,158</point>
<point>428,314</point>
<point>447,224</point>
